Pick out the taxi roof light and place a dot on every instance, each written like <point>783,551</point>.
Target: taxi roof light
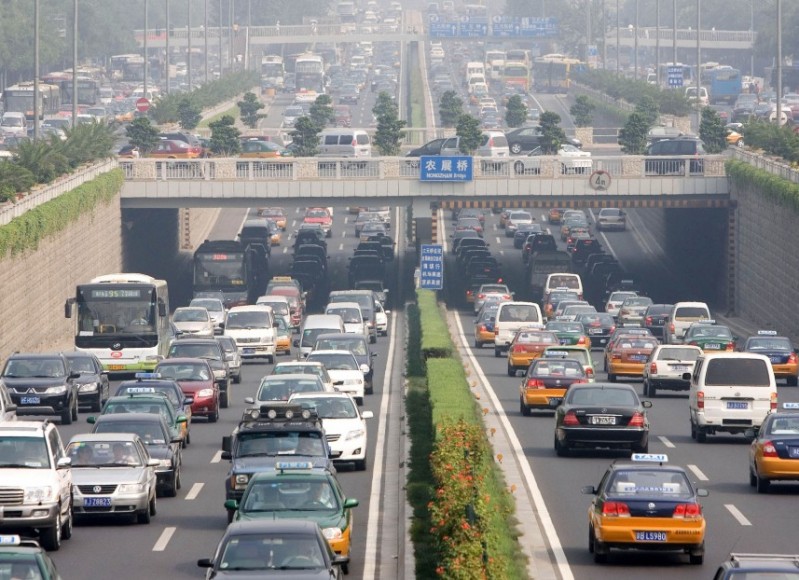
<point>650,457</point>
<point>10,540</point>
<point>767,332</point>
<point>294,465</point>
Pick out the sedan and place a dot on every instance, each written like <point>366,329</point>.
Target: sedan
<point>281,387</point>
<point>523,232</point>
<point>258,149</point>
<point>174,149</point>
<point>601,415</point>
<point>774,453</point>
<point>216,310</point>
<point>274,214</point>
<point>484,326</point>
<point>667,365</point>
<point>527,346</point>
<point>598,325</point>
<point>571,159</point>
<point>569,333</point>
<point>93,386</point>
<point>196,379</point>
<point>629,356</point>
<point>517,219</point>
<point>193,321</point>
<point>546,382</point>
<point>489,289</point>
<point>631,311</point>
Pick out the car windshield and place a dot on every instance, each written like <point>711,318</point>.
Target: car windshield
<point>280,443</point>
<point>150,431</point>
<point>24,452</point>
<point>348,315</point>
<point>35,368</point>
<point>134,406</point>
<point>689,354</point>
<point>784,426</point>
<point>710,332</point>
<point>103,454</point>
<point>81,364</point>
<point>291,494</point>
<point>557,326</point>
<point>650,483</point>
<point>335,362</point>
<point>602,396</point>
<point>190,315</point>
<point>271,551</point>
<point>290,369</point>
<point>210,305</point>
<point>558,368</point>
<point>775,343</point>
<point>356,346</point>
<point>206,351</point>
<point>272,389</point>
<point>184,371</point>
<point>247,320</point>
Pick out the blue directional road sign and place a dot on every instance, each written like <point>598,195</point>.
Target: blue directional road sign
<point>431,267</point>
<point>443,29</point>
<point>674,76</point>
<point>450,168</point>
<point>538,27</point>
<point>473,29</point>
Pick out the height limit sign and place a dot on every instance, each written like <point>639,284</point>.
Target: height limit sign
<point>431,267</point>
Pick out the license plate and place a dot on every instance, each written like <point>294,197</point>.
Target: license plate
<point>638,357</point>
<point>116,367</point>
<point>603,341</point>
<point>793,452</point>
<point>650,536</point>
<point>30,400</point>
<point>248,351</point>
<point>97,502</point>
<point>679,367</point>
<point>712,346</point>
<point>737,405</point>
<point>603,420</point>
<point>775,359</point>
<point>594,331</point>
<point>555,401</point>
<point>565,341</point>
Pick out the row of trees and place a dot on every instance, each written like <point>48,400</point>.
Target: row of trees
<point>450,109</point>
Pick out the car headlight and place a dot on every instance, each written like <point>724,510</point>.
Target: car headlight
<point>131,488</point>
<point>332,533</point>
<point>38,494</point>
<point>88,388</point>
<point>240,480</point>
<point>165,463</point>
<point>357,434</point>
<point>353,381</point>
<point>59,390</point>
<point>365,368</point>
<point>205,393</point>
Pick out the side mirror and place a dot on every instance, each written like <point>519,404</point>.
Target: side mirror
<point>152,462</point>
<point>74,375</point>
<point>227,443</point>
<point>367,415</point>
<point>188,400</point>
<point>388,311</point>
<point>350,502</point>
<point>249,400</point>
<point>701,492</point>
<point>91,419</point>
<point>64,463</point>
<point>68,307</point>
<point>177,439</point>
<point>341,561</point>
<point>646,404</point>
<point>686,376</point>
<point>182,419</point>
<point>205,563</point>
<point>231,504</point>
<point>588,490</point>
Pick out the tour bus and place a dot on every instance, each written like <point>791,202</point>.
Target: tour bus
<point>123,319</point>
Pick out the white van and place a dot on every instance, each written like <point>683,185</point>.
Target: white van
<point>313,326</point>
<point>512,316</point>
<point>14,123</point>
<point>345,142</point>
<point>730,392</point>
<point>690,94</point>
<point>253,329</point>
<point>563,280</point>
<point>350,313</point>
<point>683,315</point>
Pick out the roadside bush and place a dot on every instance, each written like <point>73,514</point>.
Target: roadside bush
<point>436,342</point>
<point>773,139</point>
<point>165,109</point>
<point>773,187</point>
<point>669,101</point>
<point>449,392</point>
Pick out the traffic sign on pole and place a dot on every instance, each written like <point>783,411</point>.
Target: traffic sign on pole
<point>142,105</point>
<point>431,267</point>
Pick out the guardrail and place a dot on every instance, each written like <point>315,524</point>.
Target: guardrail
<point>405,168</point>
<point>666,34</point>
<point>778,167</point>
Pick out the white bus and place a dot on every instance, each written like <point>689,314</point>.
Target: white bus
<point>123,319</point>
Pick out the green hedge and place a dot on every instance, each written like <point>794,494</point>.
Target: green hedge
<point>669,101</point>
<point>165,108</point>
<point>449,391</point>
<point>436,342</point>
<point>773,187</point>
<point>26,231</point>
<point>773,139</point>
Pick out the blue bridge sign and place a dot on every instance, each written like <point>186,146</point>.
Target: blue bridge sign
<point>441,168</point>
<point>431,267</point>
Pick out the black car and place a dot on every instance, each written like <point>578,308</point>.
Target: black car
<point>598,326</point>
<point>358,345</point>
<point>92,384</point>
<point>601,415</point>
<point>524,231</point>
<point>584,248</point>
<point>151,383</point>
<point>656,317</point>
<point>459,237</point>
<point>525,139</point>
<point>42,384</point>
<point>743,566</point>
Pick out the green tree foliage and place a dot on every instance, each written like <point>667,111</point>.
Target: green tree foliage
<point>552,135</point>
<point>450,108</point>
<point>322,113</point>
<point>165,108</point>
<point>14,179</point>
<point>189,115</point>
<point>668,101</point>
<point>305,137</point>
<point>581,111</point>
<point>515,112</point>
<point>712,131</point>
<point>468,129</point>
<point>248,110</point>
<point>225,137</point>
<point>142,134</point>
<point>633,136</point>
<point>773,139</point>
<point>88,142</point>
<point>648,107</point>
<point>388,136</point>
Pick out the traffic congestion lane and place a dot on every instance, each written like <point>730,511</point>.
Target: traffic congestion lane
<point>189,526</point>
<point>738,518</point>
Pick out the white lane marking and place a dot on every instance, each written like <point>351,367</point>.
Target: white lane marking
<point>194,491</point>
<point>549,232</point>
<point>296,210</point>
<point>286,250</point>
<point>666,442</point>
<point>499,240</point>
<point>217,457</point>
<point>294,222</point>
<point>343,234</point>
<point>346,219</point>
<point>502,252</point>
<point>376,495</point>
<point>163,539</point>
<point>494,226</point>
<point>522,461</point>
<point>543,217</point>
<point>736,513</point>
<point>698,472</point>
<point>341,247</point>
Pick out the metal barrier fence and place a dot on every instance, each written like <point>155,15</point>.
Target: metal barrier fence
<point>778,167</point>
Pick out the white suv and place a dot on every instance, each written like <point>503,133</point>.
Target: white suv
<point>36,481</point>
<point>667,367</point>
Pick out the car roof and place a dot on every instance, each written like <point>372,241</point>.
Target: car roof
<point>86,437</point>
<point>138,417</point>
<point>272,526</point>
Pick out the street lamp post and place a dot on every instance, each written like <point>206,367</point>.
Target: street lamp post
<point>146,56</point>
<point>752,30</point>
<point>74,61</point>
<point>657,42</point>
<point>779,62</point>
<point>674,33</point>
<point>166,88</point>
<point>699,61</point>
<point>249,24</point>
<point>219,31</point>
<point>36,70</point>
<point>205,38</point>
<point>188,41</point>
<point>635,32</point>
<point>618,43</point>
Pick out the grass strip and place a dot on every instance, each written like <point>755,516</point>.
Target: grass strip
<point>232,111</point>
<point>436,341</point>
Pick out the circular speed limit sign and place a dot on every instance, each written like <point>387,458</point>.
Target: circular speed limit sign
<point>599,180</point>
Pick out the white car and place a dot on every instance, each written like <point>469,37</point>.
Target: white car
<point>381,319</point>
<point>515,220</point>
<point>350,313</point>
<point>344,424</point>
<point>344,370</point>
<point>305,367</point>
<point>572,160</point>
<point>615,300</point>
<point>666,367</point>
<point>216,309</point>
<point>193,321</point>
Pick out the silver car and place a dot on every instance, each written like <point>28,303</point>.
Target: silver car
<point>193,321</point>
<point>112,475</point>
<point>611,218</point>
<point>232,356</point>
<point>216,310</point>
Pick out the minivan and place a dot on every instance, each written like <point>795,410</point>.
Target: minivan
<point>344,142</point>
<point>730,392</point>
<point>564,280</point>
<point>683,315</point>
<point>350,313</point>
<point>678,147</point>
<point>313,326</point>
<point>512,316</point>
<point>253,329</point>
<point>14,123</point>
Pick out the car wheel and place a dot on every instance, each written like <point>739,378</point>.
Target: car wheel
<point>516,148</point>
<point>153,507</point>
<point>214,417</point>
<point>66,529</point>
<point>752,478</point>
<point>561,449</point>
<point>701,435</point>
<point>223,402</point>
<point>590,540</point>
<point>230,514</point>
<point>697,558</point>
<point>611,378</point>
<point>188,437</point>
<point>511,371</point>
<point>693,430</point>
<point>97,405</point>
<point>478,343</point>
<point>600,552</point>
<point>237,379</point>
<point>641,448</point>
<point>75,410</point>
<point>524,409</point>
<point>761,484</point>
<point>370,390</point>
<point>144,516</point>
<point>497,352</point>
<point>50,538</point>
<point>373,339</point>
<point>360,464</point>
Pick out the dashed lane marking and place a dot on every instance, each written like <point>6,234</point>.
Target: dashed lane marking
<point>194,491</point>
<point>736,513</point>
<point>217,457</point>
<point>697,472</point>
<point>666,442</point>
<point>163,539</point>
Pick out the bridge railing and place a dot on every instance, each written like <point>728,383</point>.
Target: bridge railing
<point>332,169</point>
<point>778,167</point>
<point>667,34</point>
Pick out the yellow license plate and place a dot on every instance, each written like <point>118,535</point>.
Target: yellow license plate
<point>116,367</point>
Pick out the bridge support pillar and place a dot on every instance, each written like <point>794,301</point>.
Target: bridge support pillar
<point>732,258</point>
<point>422,223</point>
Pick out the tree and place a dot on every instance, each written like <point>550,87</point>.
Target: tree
<point>712,131</point>
<point>322,112</point>
<point>225,137</point>
<point>581,111</point>
<point>633,136</point>
<point>389,126</point>
<point>649,109</point>
<point>248,110</point>
<point>189,114</point>
<point>305,137</point>
<point>468,129</point>
<point>515,112</point>
<point>142,135</point>
<point>450,108</point>
<point>552,135</point>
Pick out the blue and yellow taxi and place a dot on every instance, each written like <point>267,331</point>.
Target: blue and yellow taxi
<point>158,384</point>
<point>25,559</point>
<point>569,332</point>
<point>780,351</point>
<point>646,504</point>
<point>774,453</point>
<point>147,401</point>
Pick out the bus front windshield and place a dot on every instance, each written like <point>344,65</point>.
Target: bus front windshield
<point>212,271</point>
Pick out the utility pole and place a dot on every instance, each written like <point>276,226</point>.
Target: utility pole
<point>779,62</point>
<point>36,71</point>
<point>74,61</point>
<point>146,56</point>
<point>188,41</point>
<point>167,47</point>
<point>657,42</point>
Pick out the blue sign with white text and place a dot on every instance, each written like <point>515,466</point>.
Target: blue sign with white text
<point>431,267</point>
<point>510,26</point>
<point>440,168</point>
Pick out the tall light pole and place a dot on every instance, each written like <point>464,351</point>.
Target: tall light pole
<point>604,35</point>
<point>36,70</point>
<point>188,41</point>
<point>232,7</point>
<point>779,62</point>
<point>618,44</point>
<point>699,61</point>
<point>587,29</point>
<point>249,24</point>
<point>205,38</point>
<point>74,61</point>
<point>219,31</point>
<point>635,32</point>
<point>657,42</point>
<point>146,57</point>
<point>752,30</point>
<point>674,33</point>
<point>167,46</point>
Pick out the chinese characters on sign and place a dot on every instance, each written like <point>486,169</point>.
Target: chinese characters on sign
<point>431,267</point>
<point>438,168</point>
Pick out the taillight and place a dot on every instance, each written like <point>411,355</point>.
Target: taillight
<point>613,329</point>
<point>483,328</point>
<point>468,292</point>
<point>773,401</point>
<point>535,384</point>
<point>481,295</point>
<point>589,372</point>
<point>505,296</point>
<point>570,419</point>
<point>700,400</point>
<point>653,368</point>
<point>615,356</point>
<point>637,420</point>
<point>519,348</point>
<point>582,340</point>
<point>769,450</point>
<point>687,511</point>
<point>354,142</point>
<point>730,346</point>
<point>792,358</point>
<point>648,321</point>
<point>671,327</point>
<point>616,509</point>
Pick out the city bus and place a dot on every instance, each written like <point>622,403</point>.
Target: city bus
<point>123,319</point>
<point>723,83</point>
<point>19,99</point>
<point>224,266</point>
<point>273,71</point>
<point>518,55</point>
<point>309,73</point>
<point>88,88</point>
<point>552,73</point>
<point>127,67</point>
<point>516,76</point>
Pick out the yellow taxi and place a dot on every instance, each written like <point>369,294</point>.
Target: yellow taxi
<point>274,214</point>
<point>528,345</point>
<point>282,336</point>
<point>644,504</point>
<point>546,381</point>
<point>774,454</point>
<point>780,351</point>
<point>484,327</point>
<point>258,149</point>
<point>174,149</point>
<point>628,355</point>
<point>275,235</point>
<point>555,215</point>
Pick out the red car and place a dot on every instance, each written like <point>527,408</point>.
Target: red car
<point>196,379</point>
<point>321,216</point>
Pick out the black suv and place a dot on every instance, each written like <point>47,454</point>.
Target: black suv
<point>42,384</point>
<point>678,147</point>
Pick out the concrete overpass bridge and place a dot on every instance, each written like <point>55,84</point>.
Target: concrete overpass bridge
<point>708,39</point>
